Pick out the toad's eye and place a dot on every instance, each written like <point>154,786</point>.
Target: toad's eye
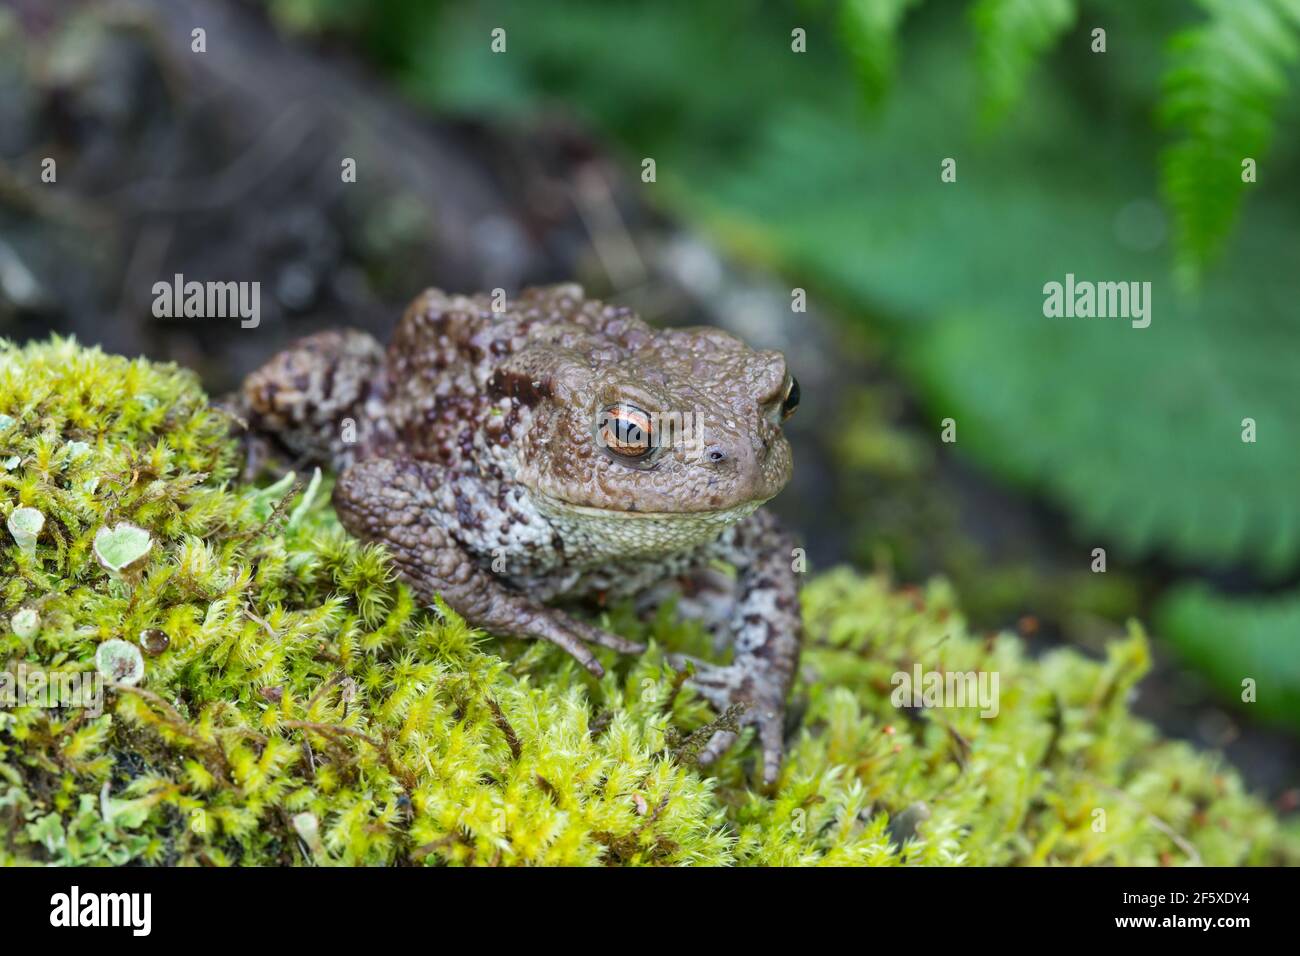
<point>791,400</point>
<point>625,431</point>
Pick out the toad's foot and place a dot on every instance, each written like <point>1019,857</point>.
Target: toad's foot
<point>765,626</point>
<point>395,502</point>
<point>759,689</point>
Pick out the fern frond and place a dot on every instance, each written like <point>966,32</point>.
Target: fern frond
<point>1222,88</point>
<point>1229,638</point>
<point>1010,36</point>
<point>869,31</point>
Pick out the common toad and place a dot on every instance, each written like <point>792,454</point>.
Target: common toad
<point>559,448</point>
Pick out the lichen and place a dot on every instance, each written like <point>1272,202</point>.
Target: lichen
<point>298,707</point>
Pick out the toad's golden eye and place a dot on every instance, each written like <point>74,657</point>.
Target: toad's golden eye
<point>791,400</point>
<point>625,431</point>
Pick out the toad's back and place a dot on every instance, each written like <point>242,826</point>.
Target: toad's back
<point>450,398</point>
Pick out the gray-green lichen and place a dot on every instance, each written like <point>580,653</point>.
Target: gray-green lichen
<point>297,707</point>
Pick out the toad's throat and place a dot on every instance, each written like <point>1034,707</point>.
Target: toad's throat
<point>599,534</point>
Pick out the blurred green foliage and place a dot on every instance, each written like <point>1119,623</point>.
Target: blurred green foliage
<point>868,30</point>
<point>1137,433</point>
<point>1122,166</point>
<point>1231,640</point>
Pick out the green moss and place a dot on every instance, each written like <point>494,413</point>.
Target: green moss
<point>298,707</point>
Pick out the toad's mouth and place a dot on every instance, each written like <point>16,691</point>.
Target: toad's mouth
<point>724,514</point>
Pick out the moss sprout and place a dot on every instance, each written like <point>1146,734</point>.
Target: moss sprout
<point>26,622</point>
<point>120,662</point>
<point>123,548</point>
<point>25,525</point>
<point>304,709</point>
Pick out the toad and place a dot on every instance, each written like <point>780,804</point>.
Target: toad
<point>516,457</point>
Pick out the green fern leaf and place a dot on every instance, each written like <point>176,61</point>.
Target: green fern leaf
<point>1137,433</point>
<point>1011,35</point>
<point>1223,84</point>
<point>869,31</point>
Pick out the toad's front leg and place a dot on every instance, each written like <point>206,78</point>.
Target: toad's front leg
<point>414,509</point>
<point>766,629</point>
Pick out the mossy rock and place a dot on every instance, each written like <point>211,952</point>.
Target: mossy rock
<point>298,707</point>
